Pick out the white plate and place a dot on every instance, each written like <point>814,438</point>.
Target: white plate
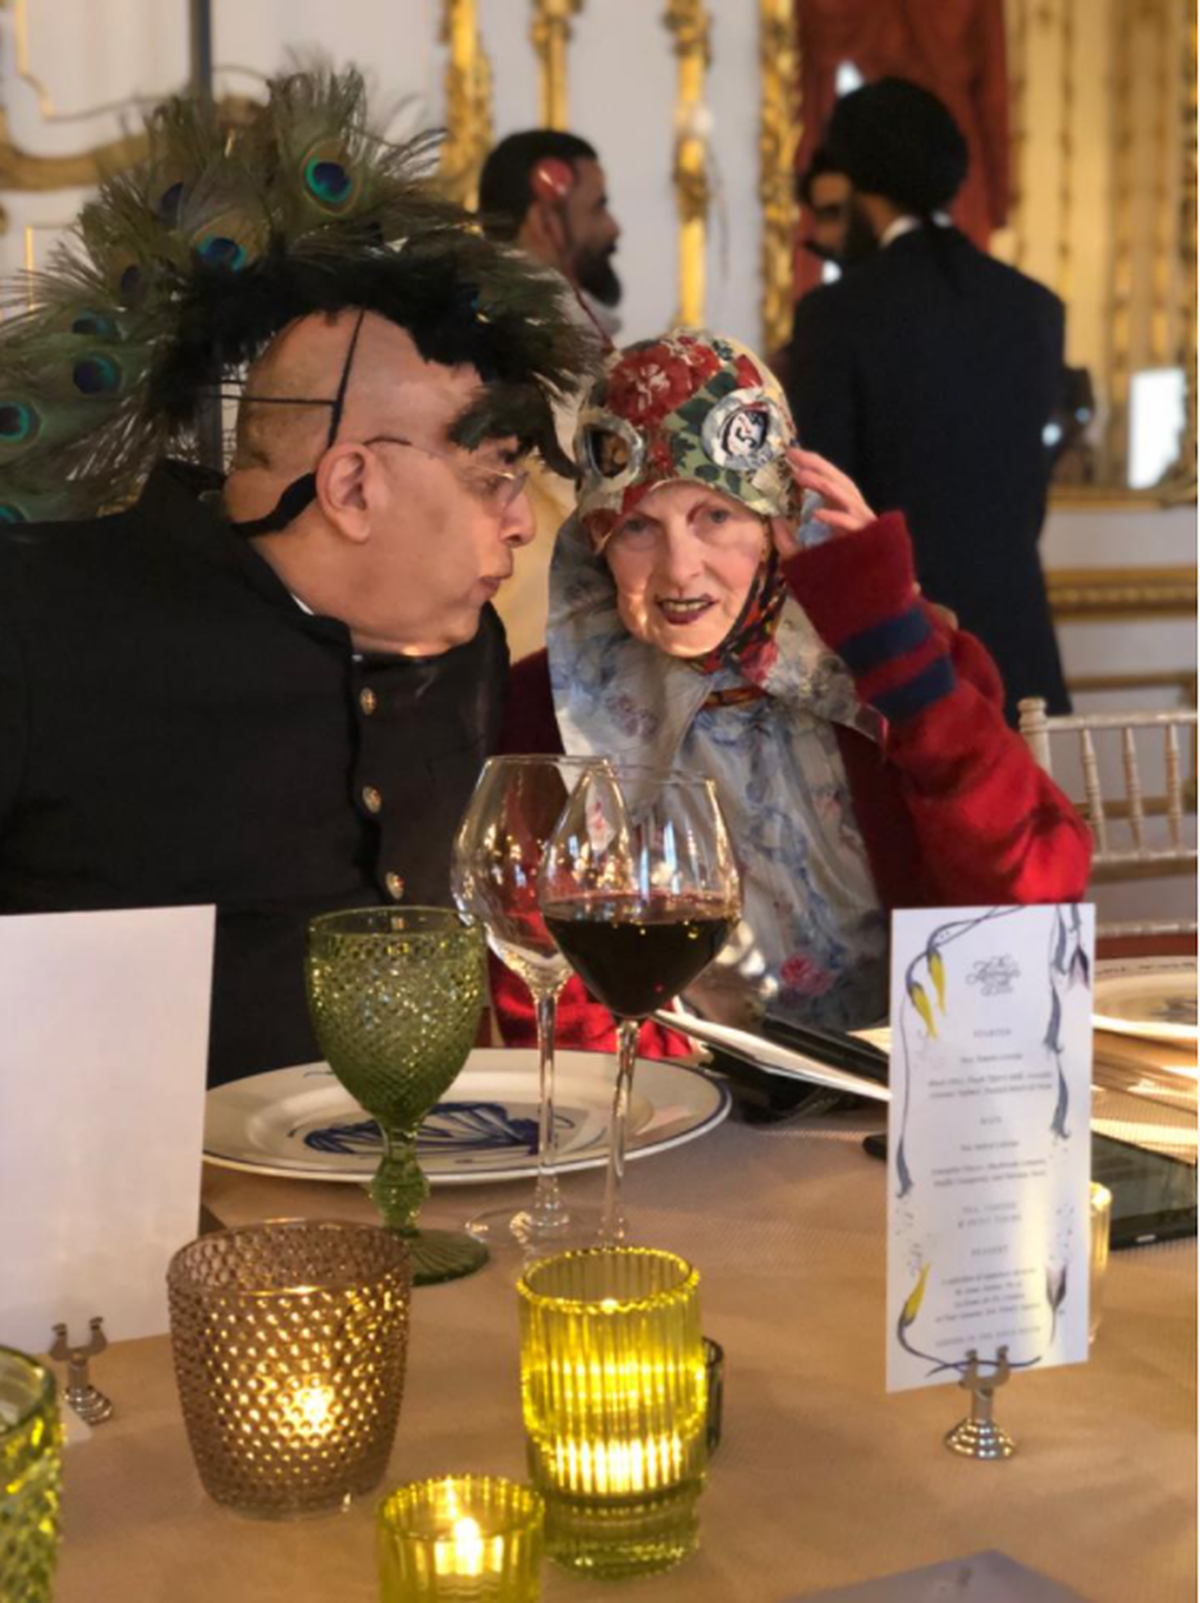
<point>1154,997</point>
<point>300,1124</point>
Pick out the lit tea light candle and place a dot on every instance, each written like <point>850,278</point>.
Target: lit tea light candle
<point>471,1537</point>
<point>309,1411</point>
<point>289,1340</point>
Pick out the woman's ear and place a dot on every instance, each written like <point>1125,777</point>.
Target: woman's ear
<point>343,490</point>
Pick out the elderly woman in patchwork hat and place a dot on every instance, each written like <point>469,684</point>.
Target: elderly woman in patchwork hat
<point>724,602</point>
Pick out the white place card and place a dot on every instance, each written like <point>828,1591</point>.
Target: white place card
<point>989,1141</point>
<point>103,1057</point>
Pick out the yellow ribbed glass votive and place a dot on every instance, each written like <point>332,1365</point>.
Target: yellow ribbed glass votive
<point>461,1539</point>
<point>30,1479</point>
<point>614,1394</point>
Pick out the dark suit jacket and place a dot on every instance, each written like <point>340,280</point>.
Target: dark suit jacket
<point>928,373</point>
<point>175,729</point>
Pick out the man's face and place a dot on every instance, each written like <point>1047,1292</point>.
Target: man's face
<point>861,241</point>
<point>445,523</point>
<point>592,233</point>
<point>829,206</point>
<point>409,540</point>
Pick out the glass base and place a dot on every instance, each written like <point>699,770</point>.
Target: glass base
<point>624,1537</point>
<point>500,1228</point>
<point>439,1255</point>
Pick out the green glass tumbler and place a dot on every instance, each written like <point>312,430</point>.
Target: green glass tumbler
<point>30,1478</point>
<point>461,1539</point>
<point>614,1396</point>
<point>395,996</point>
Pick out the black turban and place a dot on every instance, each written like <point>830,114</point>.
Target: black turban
<point>894,139</point>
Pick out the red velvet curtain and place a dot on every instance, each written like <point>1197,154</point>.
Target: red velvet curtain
<point>955,48</point>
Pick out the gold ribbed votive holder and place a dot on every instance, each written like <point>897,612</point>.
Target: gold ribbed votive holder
<point>614,1394</point>
<point>461,1539</point>
<point>30,1478</point>
<point>290,1340</point>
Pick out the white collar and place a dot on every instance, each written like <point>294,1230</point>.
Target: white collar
<point>897,228</point>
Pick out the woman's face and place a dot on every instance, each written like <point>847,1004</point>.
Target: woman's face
<point>683,562</point>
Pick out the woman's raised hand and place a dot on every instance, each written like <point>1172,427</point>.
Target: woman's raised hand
<point>844,509</point>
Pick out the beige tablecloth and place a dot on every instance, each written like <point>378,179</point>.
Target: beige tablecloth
<point>822,1478</point>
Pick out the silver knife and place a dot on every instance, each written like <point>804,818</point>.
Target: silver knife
<point>771,1057</point>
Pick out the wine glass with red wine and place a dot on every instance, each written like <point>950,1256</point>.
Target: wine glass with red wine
<point>639,889</point>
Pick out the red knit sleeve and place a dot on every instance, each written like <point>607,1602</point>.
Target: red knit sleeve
<point>991,825</point>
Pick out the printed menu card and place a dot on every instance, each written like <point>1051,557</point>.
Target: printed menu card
<point>989,1141</point>
<point>102,1083</point>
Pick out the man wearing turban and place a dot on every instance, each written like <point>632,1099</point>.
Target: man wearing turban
<point>928,374</point>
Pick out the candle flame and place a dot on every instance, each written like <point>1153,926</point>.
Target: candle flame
<point>309,1410</point>
<point>461,1553</point>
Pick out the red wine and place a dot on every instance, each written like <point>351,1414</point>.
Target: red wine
<point>637,955</point>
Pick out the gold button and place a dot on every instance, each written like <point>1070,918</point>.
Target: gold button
<point>372,800</point>
<point>395,886</point>
<point>368,701</point>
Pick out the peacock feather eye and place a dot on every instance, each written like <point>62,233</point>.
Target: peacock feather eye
<point>329,181</point>
<point>327,177</point>
<point>19,422</point>
<point>11,514</point>
<point>96,375</point>
<point>218,250</point>
<point>96,326</point>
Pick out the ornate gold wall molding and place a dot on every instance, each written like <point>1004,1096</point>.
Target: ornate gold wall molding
<point>688,23</point>
<point>468,101</point>
<point>779,135</point>
<point>1066,145</point>
<point>1092,595</point>
<point>550,33</point>
<point>1180,485</point>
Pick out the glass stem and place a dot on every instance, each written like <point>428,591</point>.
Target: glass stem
<point>612,1222</point>
<point>548,1207</point>
<point>399,1187</point>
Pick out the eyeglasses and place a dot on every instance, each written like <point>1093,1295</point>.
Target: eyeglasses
<point>497,487</point>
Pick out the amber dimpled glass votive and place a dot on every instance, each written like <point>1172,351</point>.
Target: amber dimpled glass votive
<point>614,1393</point>
<point>30,1479</point>
<point>461,1539</point>
<point>289,1341</point>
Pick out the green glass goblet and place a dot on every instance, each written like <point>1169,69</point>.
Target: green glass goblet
<point>395,996</point>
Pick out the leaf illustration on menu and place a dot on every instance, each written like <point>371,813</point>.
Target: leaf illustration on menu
<point>920,1000</point>
<point>912,1305</point>
<point>1056,1294</point>
<point>937,973</point>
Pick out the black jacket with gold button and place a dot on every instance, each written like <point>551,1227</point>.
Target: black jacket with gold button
<point>174,729</point>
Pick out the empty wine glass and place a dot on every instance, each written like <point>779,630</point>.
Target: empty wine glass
<point>639,889</point>
<point>497,856</point>
<point>395,996</point>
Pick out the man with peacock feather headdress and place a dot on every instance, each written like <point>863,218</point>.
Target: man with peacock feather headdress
<point>271,690</point>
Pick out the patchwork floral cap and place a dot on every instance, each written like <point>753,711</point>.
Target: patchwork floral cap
<point>690,406</point>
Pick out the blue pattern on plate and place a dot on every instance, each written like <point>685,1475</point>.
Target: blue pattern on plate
<point>457,1127</point>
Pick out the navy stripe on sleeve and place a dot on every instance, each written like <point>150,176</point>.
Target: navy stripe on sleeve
<point>883,642</point>
<point>924,688</point>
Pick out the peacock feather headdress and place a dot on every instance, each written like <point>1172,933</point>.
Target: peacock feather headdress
<point>181,271</point>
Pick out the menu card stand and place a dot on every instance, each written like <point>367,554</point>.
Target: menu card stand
<point>979,1436</point>
<point>92,1406</point>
